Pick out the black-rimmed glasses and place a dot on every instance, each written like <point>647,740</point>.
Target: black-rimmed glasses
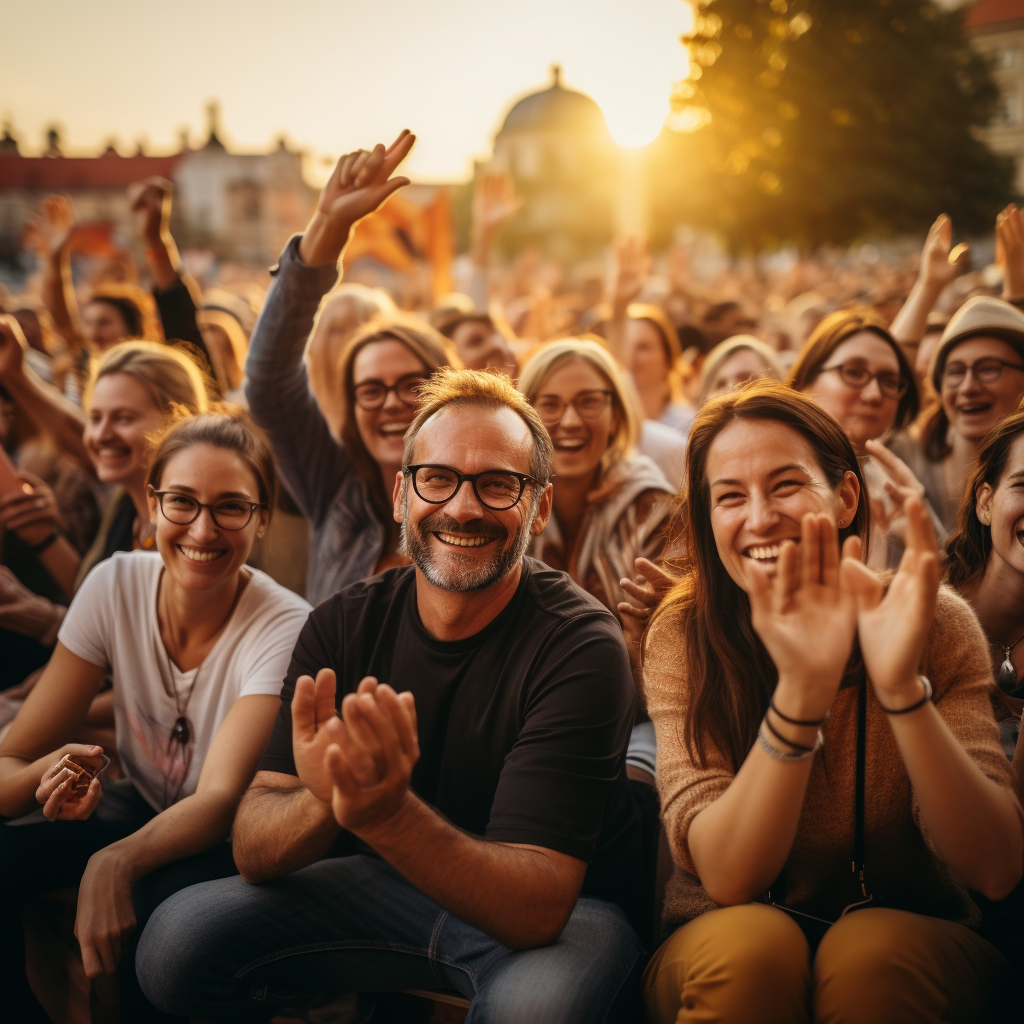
<point>892,385</point>
<point>183,509</point>
<point>496,489</point>
<point>589,405</point>
<point>986,371</point>
<point>372,394</point>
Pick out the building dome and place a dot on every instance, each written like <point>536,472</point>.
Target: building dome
<point>554,108</point>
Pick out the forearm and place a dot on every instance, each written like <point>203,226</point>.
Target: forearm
<point>910,322</point>
<point>163,261</point>
<point>50,411</point>
<point>972,821</point>
<point>1018,764</point>
<point>59,298</point>
<point>278,831</point>
<point>191,826</point>
<point>61,561</point>
<point>510,892</point>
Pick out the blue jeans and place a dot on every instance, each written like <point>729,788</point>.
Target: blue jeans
<point>228,950</point>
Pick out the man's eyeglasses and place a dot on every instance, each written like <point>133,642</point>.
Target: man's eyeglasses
<point>496,489</point>
<point>372,394</point>
<point>985,371</point>
<point>589,405</point>
<point>858,376</point>
<point>229,514</point>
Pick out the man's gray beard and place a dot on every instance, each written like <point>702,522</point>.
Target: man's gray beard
<point>473,577</point>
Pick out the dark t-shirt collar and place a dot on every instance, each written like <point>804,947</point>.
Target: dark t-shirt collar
<point>510,611</point>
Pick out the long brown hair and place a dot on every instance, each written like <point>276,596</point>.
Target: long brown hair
<point>968,547</point>
<point>729,671</point>
<point>830,333</point>
<point>427,345</point>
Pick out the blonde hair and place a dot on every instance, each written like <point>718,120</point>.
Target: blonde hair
<point>725,350</point>
<point>490,389</point>
<point>170,378</point>
<point>553,354</point>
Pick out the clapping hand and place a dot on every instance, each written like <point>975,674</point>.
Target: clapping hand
<point>936,267</point>
<point>900,486</point>
<point>893,624</point>
<point>805,620</point>
<point>360,184</point>
<point>312,709</point>
<point>374,746</point>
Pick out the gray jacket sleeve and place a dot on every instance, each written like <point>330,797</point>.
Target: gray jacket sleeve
<point>309,459</point>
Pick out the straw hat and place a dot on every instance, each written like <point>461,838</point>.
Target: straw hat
<point>982,315</point>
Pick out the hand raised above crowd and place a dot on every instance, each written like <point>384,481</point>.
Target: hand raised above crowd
<point>150,201</point>
<point>937,270</point>
<point>630,268</point>
<point>806,620</point>
<point>374,748</point>
<point>51,229</point>
<point>893,623</point>
<point>494,203</point>
<point>360,184</point>
<point>1010,251</point>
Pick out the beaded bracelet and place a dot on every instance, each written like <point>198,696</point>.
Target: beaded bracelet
<point>783,755</point>
<point>926,683</point>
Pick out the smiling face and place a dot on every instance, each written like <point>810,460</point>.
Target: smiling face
<point>971,406</point>
<point>646,359</point>
<point>103,325</point>
<point>386,362</point>
<point>763,478</point>
<point>864,413</point>
<point>121,413</point>
<point>579,443</point>
<point>743,364</point>
<point>201,554</point>
<point>462,545</point>
<point>1002,510</point>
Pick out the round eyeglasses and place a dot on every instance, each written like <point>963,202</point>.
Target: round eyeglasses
<point>229,514</point>
<point>372,394</point>
<point>892,385</point>
<point>496,489</point>
<point>985,371</point>
<point>589,405</point>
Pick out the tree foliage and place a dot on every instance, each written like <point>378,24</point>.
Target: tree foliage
<point>824,121</point>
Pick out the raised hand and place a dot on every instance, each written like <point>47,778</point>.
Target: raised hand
<point>150,201</point>
<point>630,268</point>
<point>312,710</point>
<point>900,486</point>
<point>939,266</point>
<point>374,748</point>
<point>360,184</point>
<point>54,225</point>
<point>12,347</point>
<point>805,620</point>
<point>1010,251</point>
<point>494,202</point>
<point>61,799</point>
<point>893,624</point>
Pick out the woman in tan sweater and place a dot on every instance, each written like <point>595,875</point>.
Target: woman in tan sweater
<point>762,669</point>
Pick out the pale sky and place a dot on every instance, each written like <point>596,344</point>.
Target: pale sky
<point>334,75</point>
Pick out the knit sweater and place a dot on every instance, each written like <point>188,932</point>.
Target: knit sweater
<point>902,869</point>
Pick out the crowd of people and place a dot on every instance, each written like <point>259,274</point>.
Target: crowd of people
<point>595,570</point>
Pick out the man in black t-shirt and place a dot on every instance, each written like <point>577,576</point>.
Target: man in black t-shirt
<point>443,802</point>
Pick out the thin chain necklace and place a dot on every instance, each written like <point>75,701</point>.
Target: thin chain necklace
<point>180,731</point>
<point>1007,677</point>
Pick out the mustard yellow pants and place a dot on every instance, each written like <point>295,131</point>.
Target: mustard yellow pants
<point>752,964</point>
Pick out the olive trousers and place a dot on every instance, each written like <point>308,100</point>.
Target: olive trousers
<point>752,963</point>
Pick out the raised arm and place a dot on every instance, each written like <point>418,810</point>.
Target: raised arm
<point>53,229</point>
<point>630,267</point>
<point>1010,252</point>
<point>935,273</point>
<point>494,203</point>
<point>277,383</point>
<point>195,824</point>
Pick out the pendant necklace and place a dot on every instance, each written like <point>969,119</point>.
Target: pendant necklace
<point>1007,677</point>
<point>180,732</point>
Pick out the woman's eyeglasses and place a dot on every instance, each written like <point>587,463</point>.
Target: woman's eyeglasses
<point>229,514</point>
<point>857,376</point>
<point>589,405</point>
<point>372,394</point>
<point>985,371</point>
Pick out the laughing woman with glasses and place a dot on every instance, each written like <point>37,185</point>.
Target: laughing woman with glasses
<point>196,644</point>
<point>978,373</point>
<point>342,485</point>
<point>853,368</point>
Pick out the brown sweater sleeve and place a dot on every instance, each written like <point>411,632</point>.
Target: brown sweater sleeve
<point>957,664</point>
<point>684,786</point>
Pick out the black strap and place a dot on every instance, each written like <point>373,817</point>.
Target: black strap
<point>858,810</point>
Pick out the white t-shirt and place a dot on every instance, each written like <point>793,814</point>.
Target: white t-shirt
<point>112,623</point>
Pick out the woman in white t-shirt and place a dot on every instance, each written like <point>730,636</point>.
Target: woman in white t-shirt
<point>197,645</point>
